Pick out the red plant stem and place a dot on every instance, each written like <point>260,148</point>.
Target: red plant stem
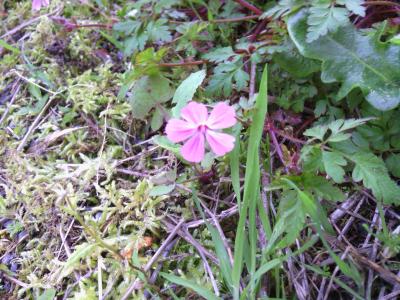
<point>277,146</point>
<point>94,25</point>
<point>388,3</point>
<point>259,28</point>
<point>245,18</point>
<point>252,79</point>
<point>228,20</point>
<point>250,6</point>
<point>183,64</point>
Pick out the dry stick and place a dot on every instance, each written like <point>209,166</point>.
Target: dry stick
<point>224,214</point>
<point>339,213</point>
<point>171,236</point>
<point>300,292</point>
<point>167,249</point>
<point>66,247</point>
<point>334,274</point>
<point>303,272</point>
<point>154,275</point>
<point>192,241</point>
<point>16,281</point>
<point>220,231</point>
<point>376,220</point>
<point>63,239</point>
<point>14,96</point>
<point>206,264</point>
<point>321,293</point>
<point>29,22</point>
<point>390,296</point>
<point>383,273</point>
<point>35,122</point>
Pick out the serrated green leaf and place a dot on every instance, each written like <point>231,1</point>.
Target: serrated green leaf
<point>293,216</point>
<point>354,60</point>
<point>393,164</point>
<point>333,164</point>
<point>158,31</point>
<point>324,18</point>
<point>226,77</point>
<point>371,170</point>
<point>355,6</point>
<point>185,91</point>
<point>322,188</point>
<point>220,55</point>
<point>317,132</point>
<point>147,92</point>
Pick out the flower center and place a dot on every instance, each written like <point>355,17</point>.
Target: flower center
<point>202,128</point>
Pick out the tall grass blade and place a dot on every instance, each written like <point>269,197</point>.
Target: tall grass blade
<point>252,177</point>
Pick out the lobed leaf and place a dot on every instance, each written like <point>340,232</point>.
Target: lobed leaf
<point>354,60</point>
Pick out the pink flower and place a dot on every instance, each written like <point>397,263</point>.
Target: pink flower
<point>197,127</point>
<point>38,4</point>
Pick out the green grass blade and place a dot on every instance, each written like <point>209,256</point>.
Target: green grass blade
<point>7,46</point>
<point>252,177</point>
<point>190,285</point>
<point>234,160</point>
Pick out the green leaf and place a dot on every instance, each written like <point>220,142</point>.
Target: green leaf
<point>321,187</point>
<point>393,164</point>
<point>324,18</point>
<point>186,90</point>
<point>158,31</point>
<point>283,8</point>
<point>47,295</point>
<point>317,132</point>
<point>161,190</point>
<point>165,143</point>
<point>371,170</point>
<point>354,60</point>
<point>81,251</point>
<point>190,285</point>
<point>225,77</point>
<point>220,55</point>
<point>333,164</point>
<point>157,119</point>
<point>147,92</point>
<point>293,62</point>
<point>355,6</point>
<point>293,216</point>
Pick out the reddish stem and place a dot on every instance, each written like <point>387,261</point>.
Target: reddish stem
<point>250,6</point>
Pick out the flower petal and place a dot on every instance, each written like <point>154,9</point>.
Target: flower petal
<point>195,113</point>
<point>193,149</point>
<point>222,116</point>
<point>220,143</point>
<point>36,5</point>
<point>179,130</point>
